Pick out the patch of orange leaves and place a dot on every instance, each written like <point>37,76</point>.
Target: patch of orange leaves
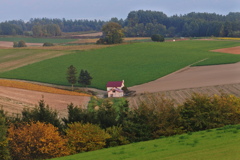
<point>36,87</point>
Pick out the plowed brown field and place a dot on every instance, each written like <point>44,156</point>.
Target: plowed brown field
<point>192,77</point>
<point>180,95</point>
<point>232,50</point>
<point>13,100</point>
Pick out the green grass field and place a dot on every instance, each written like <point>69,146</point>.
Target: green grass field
<point>216,144</point>
<point>36,40</point>
<point>15,58</point>
<point>135,63</point>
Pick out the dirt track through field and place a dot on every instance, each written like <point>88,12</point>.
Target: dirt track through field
<point>193,77</point>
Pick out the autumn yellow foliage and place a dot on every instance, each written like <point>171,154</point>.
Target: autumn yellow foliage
<point>36,140</point>
<point>36,87</point>
<point>86,137</point>
<point>4,151</point>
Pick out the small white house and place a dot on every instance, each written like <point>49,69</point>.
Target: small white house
<point>114,88</point>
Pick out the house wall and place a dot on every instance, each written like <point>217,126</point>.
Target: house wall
<point>115,94</point>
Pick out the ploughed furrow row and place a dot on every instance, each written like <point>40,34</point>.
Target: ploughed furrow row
<point>180,96</point>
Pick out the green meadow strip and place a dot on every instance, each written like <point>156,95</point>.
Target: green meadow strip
<point>215,144</point>
<point>136,63</point>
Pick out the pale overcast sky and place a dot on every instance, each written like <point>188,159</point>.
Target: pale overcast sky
<point>106,9</point>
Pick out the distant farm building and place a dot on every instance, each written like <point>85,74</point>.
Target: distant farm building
<point>114,88</point>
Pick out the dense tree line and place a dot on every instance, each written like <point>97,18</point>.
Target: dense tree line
<point>39,133</point>
<point>192,24</point>
<point>41,26</point>
<point>141,23</point>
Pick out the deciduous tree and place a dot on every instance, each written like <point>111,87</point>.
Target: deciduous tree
<point>86,137</point>
<point>112,33</point>
<point>36,140</point>
<point>117,137</point>
<point>202,112</point>
<point>4,151</point>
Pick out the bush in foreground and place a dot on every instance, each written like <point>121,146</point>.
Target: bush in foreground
<point>4,151</point>
<point>201,112</point>
<point>86,137</point>
<point>36,140</point>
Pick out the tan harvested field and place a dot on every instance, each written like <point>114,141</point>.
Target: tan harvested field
<point>136,38</point>
<point>13,100</point>
<point>35,86</point>
<point>75,47</point>
<point>180,95</point>
<point>232,50</point>
<point>17,94</point>
<point>5,44</point>
<point>183,83</point>
<point>191,77</point>
<point>84,41</point>
<point>89,34</point>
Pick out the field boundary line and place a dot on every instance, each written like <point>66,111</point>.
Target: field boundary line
<point>183,69</point>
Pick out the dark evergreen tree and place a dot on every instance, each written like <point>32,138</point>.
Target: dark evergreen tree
<point>71,75</point>
<point>84,78</point>
<point>78,114</point>
<point>41,113</point>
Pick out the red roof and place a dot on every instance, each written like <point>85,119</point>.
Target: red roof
<point>114,84</point>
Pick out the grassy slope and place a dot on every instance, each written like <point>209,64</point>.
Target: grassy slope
<point>217,144</point>
<point>36,40</point>
<point>135,63</point>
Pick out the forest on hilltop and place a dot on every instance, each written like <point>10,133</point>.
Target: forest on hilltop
<point>138,23</point>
